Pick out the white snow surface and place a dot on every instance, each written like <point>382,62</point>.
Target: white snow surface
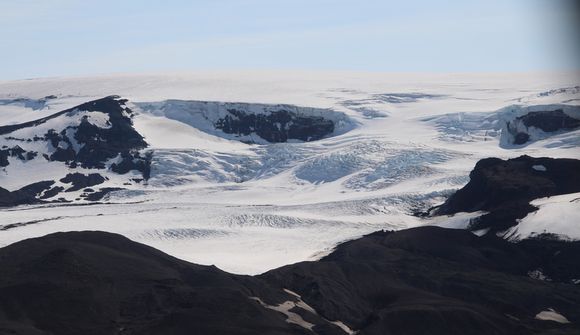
<point>404,142</point>
<point>557,215</point>
<point>551,315</point>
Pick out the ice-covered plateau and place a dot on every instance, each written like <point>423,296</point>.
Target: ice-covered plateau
<point>250,171</point>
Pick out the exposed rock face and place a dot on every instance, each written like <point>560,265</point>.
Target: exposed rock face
<point>426,280</point>
<point>97,144</point>
<point>134,161</point>
<point>101,144</point>
<point>83,142</point>
<point>505,188</point>
<point>79,180</point>
<point>24,196</point>
<point>16,152</point>
<point>432,280</point>
<point>278,126</point>
<point>101,283</point>
<point>523,128</point>
<point>450,280</point>
<point>550,120</point>
<point>95,135</point>
<point>92,195</point>
<point>253,122</point>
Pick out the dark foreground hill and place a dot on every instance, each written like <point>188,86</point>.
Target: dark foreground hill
<point>504,189</point>
<point>425,280</point>
<point>102,283</point>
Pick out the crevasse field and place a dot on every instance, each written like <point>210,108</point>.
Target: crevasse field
<point>402,143</point>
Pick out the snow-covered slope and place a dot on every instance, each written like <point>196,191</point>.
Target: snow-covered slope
<point>557,216</point>
<point>225,195</point>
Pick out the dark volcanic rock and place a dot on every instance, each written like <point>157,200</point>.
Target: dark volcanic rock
<point>101,283</point>
<point>550,121</point>
<point>37,192</point>
<point>4,157</point>
<point>82,139</point>
<point>100,194</point>
<point>277,126</point>
<point>52,192</point>
<point>521,138</point>
<point>425,280</point>
<point>15,198</point>
<point>505,188</point>
<point>25,196</point>
<point>95,145</point>
<point>433,280</point>
<point>79,180</point>
<point>547,121</point>
<point>101,144</point>
<point>16,152</point>
<point>134,162</point>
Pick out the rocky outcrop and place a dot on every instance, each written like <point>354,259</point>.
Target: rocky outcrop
<point>95,135</point>
<point>134,161</point>
<point>16,152</point>
<point>98,144</point>
<point>25,196</point>
<point>92,195</point>
<point>536,125</point>
<point>79,141</point>
<point>550,120</point>
<point>425,280</point>
<point>278,126</point>
<point>505,189</point>
<point>79,180</point>
<point>432,280</point>
<point>254,123</point>
<point>101,283</point>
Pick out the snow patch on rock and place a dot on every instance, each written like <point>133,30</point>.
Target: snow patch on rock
<point>539,168</point>
<point>551,315</point>
<point>556,215</point>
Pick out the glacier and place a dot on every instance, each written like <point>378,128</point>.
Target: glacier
<point>400,145</point>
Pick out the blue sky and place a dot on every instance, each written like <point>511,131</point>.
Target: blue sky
<point>73,37</point>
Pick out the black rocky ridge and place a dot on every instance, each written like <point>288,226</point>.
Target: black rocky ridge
<point>79,180</point>
<point>547,121</point>
<point>29,194</point>
<point>277,126</point>
<point>433,280</point>
<point>426,280</point>
<point>504,189</point>
<point>15,151</point>
<point>102,283</point>
<point>96,146</point>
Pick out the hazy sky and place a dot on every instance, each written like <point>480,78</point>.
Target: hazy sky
<point>73,37</point>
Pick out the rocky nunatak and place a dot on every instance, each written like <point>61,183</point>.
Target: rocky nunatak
<point>95,135</point>
<point>504,189</point>
<point>277,126</point>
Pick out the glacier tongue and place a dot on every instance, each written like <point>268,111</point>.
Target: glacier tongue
<point>225,195</point>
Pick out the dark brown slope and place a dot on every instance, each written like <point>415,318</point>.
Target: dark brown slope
<point>433,280</point>
<point>102,283</point>
<point>419,281</point>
